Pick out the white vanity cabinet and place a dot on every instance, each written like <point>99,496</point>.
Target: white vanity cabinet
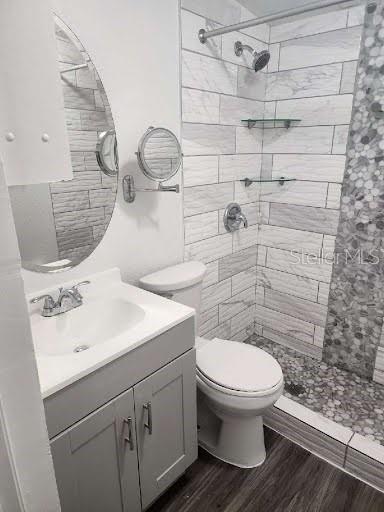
<point>124,454</point>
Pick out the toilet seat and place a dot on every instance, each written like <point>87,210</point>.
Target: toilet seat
<point>237,369</point>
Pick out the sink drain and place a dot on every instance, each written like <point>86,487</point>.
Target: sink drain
<point>81,348</point>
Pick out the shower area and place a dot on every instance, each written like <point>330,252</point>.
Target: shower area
<point>286,118</point>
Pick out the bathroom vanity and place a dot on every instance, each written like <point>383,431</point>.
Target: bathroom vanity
<point>121,415</point>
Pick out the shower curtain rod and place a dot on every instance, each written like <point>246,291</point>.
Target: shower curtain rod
<point>204,35</point>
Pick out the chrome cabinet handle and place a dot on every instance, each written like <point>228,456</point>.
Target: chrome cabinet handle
<point>129,440</point>
<point>148,425</point>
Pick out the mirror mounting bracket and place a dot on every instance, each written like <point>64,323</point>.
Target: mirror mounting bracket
<point>129,189</point>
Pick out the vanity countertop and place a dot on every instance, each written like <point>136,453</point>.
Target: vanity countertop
<point>116,317</point>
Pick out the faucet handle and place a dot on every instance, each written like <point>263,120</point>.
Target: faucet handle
<point>49,303</point>
<point>76,287</point>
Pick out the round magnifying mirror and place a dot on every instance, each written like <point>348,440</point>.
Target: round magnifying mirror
<point>106,153</point>
<point>159,154</point>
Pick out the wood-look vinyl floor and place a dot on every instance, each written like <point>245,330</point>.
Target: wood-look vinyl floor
<point>291,480</point>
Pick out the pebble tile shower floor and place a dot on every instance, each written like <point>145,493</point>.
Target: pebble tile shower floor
<point>341,396</point>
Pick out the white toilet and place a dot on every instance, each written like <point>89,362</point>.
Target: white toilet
<point>236,382</point>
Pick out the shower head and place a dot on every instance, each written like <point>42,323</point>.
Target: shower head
<point>260,59</point>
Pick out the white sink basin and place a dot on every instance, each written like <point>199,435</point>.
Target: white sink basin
<point>114,319</point>
<point>85,326</point>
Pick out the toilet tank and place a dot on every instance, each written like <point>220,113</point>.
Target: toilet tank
<point>181,283</point>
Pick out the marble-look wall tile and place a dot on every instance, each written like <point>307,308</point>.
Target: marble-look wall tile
<point>201,139</point>
<point>237,262</point>
<point>200,170</point>
<point>75,238</point>
<point>245,238</point>
<point>78,98</point>
<point>222,331</point>
<point>81,140</point>
<point>250,84</point>
<point>72,220</point>
<point>329,168</point>
<point>102,197</point>
<point>356,15</point>
<point>261,256</point>
<point>206,73</point>
<point>323,110</point>
<point>316,139</point>
<point>306,193</point>
<point>190,25</point>
<point>299,265</point>
<point>249,141</point>
<point>244,280</point>
<point>237,167</point>
<point>299,308</point>
<point>245,318</point>
<point>207,198</point>
<point>337,46</point>
<point>290,239</point>
<point>340,140</point>
<point>245,194</point>
<point>285,324</point>
<point>333,197</point>
<point>200,106</point>
<point>302,83</point>
<point>67,201</point>
<point>215,294</point>
<point>260,32</point>
<point>319,220</point>
<point>298,286</point>
<point>348,77</point>
<point>226,12</point>
<point>233,110</point>
<point>318,338</point>
<point>209,320</point>
<point>210,249</point>
<point>322,297</point>
<point>199,227</point>
<point>211,274</point>
<point>308,25</point>
<point>274,50</point>
<point>84,180</point>
<point>237,303</point>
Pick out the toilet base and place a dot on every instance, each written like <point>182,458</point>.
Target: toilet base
<point>237,441</point>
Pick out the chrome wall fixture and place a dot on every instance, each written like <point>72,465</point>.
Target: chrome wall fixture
<point>204,35</point>
<point>233,218</point>
<point>159,157</point>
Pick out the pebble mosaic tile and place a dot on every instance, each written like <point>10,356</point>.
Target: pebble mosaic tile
<point>356,300</point>
<point>341,396</point>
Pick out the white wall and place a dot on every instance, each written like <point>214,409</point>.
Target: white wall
<point>135,48</point>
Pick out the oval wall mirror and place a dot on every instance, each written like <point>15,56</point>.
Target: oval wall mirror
<point>159,154</point>
<point>60,224</point>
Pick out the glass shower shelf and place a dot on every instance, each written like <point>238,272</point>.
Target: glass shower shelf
<point>287,122</point>
<point>248,181</point>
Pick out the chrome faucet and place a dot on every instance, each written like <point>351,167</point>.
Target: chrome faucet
<point>69,298</point>
<point>234,217</point>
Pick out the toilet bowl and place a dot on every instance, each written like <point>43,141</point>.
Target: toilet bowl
<point>236,382</point>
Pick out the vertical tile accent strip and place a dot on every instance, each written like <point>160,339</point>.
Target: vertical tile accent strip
<point>356,300</point>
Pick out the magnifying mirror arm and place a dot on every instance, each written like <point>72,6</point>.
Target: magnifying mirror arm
<point>129,189</point>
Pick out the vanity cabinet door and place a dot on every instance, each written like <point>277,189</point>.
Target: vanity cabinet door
<point>165,405</point>
<point>96,461</point>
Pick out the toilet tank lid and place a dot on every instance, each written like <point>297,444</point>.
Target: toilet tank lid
<point>176,277</point>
